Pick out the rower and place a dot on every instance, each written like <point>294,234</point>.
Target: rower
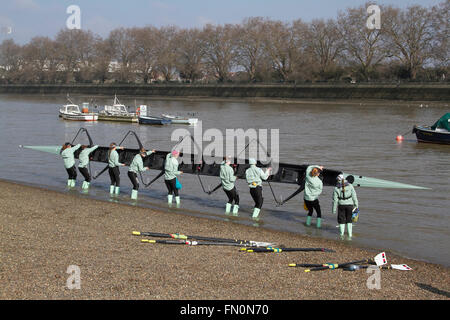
<point>228,179</point>
<point>82,166</point>
<point>313,189</point>
<point>68,155</point>
<point>170,176</point>
<point>344,201</point>
<point>136,166</point>
<point>254,177</point>
<point>114,172</point>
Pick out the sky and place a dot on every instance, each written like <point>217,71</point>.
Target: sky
<point>22,20</point>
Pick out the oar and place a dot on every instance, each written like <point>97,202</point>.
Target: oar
<point>164,241</point>
<point>336,266</point>
<point>156,178</point>
<point>196,243</point>
<point>277,250</point>
<point>186,237</point>
<point>380,260</point>
<point>215,189</point>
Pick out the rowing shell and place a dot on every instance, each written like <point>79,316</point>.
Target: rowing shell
<point>190,164</point>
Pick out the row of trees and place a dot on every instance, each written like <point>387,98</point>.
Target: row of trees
<point>412,43</point>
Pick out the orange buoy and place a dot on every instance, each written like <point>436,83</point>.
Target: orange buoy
<point>399,138</point>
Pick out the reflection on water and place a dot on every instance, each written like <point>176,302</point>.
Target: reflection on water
<point>352,137</point>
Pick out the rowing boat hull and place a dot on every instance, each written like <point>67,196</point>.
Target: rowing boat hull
<point>426,134</point>
<point>103,117</point>
<point>287,173</point>
<point>79,117</point>
<point>153,120</point>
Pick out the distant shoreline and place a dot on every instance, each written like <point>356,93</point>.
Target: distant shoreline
<point>278,92</point>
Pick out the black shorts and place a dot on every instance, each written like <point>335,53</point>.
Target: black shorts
<point>134,180</point>
<point>313,205</point>
<point>232,196</point>
<point>72,172</point>
<point>257,196</point>
<point>172,186</point>
<point>345,214</point>
<point>85,173</point>
<point>114,175</point>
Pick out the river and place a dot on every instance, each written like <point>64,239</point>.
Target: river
<point>355,137</point>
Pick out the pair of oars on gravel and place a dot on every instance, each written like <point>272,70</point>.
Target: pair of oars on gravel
<point>249,245</point>
<point>379,261</point>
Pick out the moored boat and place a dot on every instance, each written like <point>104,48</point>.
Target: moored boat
<point>117,112</point>
<point>180,120</point>
<point>437,133</point>
<point>72,112</point>
<point>145,118</point>
<point>153,120</point>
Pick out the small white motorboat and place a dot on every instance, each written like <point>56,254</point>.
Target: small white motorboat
<point>117,112</point>
<point>72,112</point>
<point>180,120</point>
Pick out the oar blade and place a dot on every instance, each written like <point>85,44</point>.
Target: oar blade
<point>362,181</point>
<point>48,149</point>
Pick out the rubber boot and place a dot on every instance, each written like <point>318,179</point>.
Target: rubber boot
<point>85,185</point>
<point>169,198</point>
<point>72,183</point>
<point>235,210</point>
<point>227,208</point>
<point>256,213</point>
<point>117,190</point>
<point>350,230</point>
<point>342,230</point>
<point>111,190</point>
<point>134,194</point>
<point>319,222</point>
<point>177,201</point>
<point>69,183</point>
<point>308,220</point>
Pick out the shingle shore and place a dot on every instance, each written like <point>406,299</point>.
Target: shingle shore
<point>43,232</point>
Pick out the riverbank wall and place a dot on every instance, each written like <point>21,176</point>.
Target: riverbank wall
<point>407,92</point>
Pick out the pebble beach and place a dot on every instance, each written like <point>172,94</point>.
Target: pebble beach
<point>43,232</point>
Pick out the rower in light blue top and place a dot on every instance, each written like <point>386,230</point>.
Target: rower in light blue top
<point>83,165</point>
<point>254,177</point>
<point>68,155</point>
<point>137,166</point>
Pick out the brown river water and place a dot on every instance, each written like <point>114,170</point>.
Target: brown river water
<point>354,137</point>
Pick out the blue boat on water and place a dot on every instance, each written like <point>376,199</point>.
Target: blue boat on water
<point>153,120</point>
<point>437,133</point>
<point>145,118</point>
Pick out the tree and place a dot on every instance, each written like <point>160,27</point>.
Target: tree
<point>219,43</point>
<point>363,48</point>
<point>250,46</point>
<point>10,60</point>
<point>409,35</point>
<point>282,46</point>
<point>121,42</point>
<point>146,50</point>
<point>101,61</point>
<point>41,60</point>
<point>323,44</point>
<point>190,54</point>
<point>166,52</point>
<point>440,16</point>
